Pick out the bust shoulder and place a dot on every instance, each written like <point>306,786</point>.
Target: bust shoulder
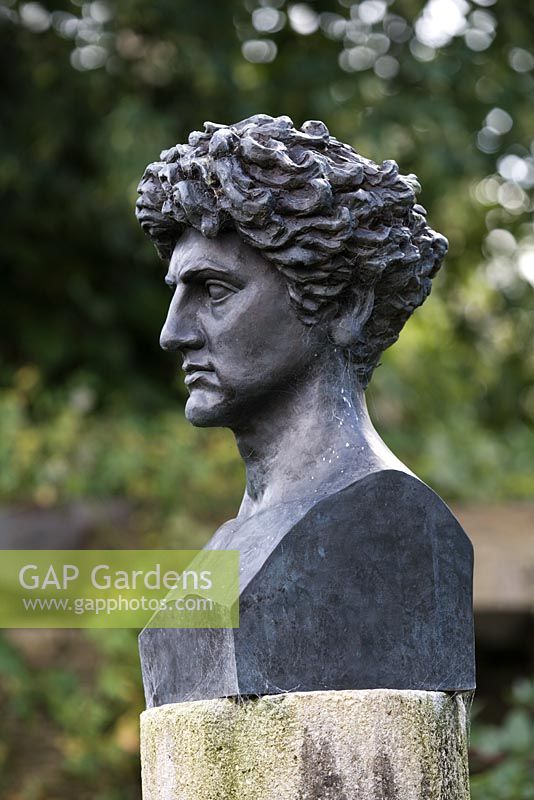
<point>369,587</point>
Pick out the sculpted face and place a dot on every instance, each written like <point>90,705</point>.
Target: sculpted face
<point>231,319</point>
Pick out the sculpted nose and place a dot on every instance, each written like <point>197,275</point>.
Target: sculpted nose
<point>174,337</point>
<point>180,332</point>
<point>166,340</point>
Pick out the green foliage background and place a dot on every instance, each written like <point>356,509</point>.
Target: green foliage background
<point>89,408</point>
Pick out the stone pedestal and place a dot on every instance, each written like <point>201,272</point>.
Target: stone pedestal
<point>379,744</point>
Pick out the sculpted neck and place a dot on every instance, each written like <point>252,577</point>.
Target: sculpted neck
<point>309,441</point>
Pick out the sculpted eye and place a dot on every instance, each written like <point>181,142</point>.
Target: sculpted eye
<point>218,291</point>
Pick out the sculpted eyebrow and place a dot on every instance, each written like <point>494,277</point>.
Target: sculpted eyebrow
<point>193,274</point>
<point>206,270</point>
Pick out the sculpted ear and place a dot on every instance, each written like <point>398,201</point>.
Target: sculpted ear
<point>346,327</point>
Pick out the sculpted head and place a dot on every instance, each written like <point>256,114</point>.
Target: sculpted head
<point>282,244</point>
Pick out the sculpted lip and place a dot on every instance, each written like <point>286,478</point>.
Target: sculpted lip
<point>195,372</point>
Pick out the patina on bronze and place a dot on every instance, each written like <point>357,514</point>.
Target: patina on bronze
<point>294,263</point>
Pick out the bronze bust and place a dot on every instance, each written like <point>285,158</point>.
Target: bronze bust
<point>294,263</point>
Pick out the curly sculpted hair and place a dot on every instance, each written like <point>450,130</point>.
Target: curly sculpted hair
<point>335,224</point>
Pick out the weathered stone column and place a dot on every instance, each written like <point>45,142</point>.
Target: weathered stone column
<point>379,744</point>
